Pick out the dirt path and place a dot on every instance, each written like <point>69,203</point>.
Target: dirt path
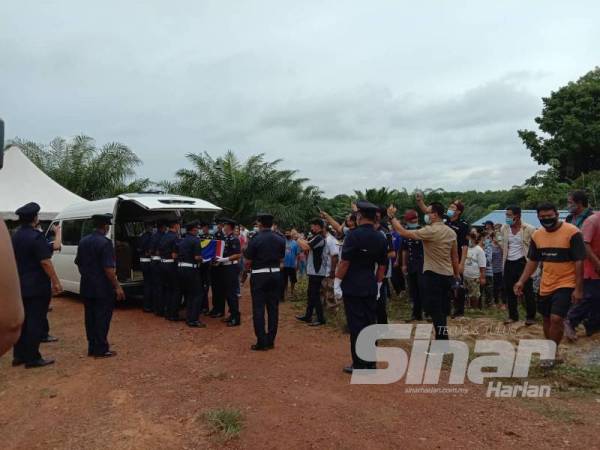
<point>155,392</point>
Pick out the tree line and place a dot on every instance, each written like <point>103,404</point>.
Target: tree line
<point>567,144</point>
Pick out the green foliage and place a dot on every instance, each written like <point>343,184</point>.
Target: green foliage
<point>244,188</point>
<point>85,169</point>
<point>227,422</point>
<point>570,122</point>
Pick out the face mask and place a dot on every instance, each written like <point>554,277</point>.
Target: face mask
<point>471,244</point>
<point>573,209</point>
<point>549,223</point>
<point>510,221</point>
<point>427,219</point>
<point>255,229</point>
<point>412,226</point>
<point>345,229</point>
<point>488,241</point>
<point>450,213</point>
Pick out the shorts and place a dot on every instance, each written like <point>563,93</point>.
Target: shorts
<point>557,303</point>
<point>289,273</point>
<point>473,287</point>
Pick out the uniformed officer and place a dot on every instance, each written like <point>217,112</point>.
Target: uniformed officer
<point>189,259</point>
<point>38,282</point>
<point>263,256</point>
<point>99,285</point>
<point>205,269</point>
<point>217,279</point>
<point>230,272</point>
<point>167,250</point>
<point>144,249</point>
<point>158,305</point>
<point>359,277</point>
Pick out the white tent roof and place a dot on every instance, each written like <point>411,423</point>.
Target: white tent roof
<point>21,182</point>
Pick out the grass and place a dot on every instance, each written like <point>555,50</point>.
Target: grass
<point>226,422</point>
<point>557,413</point>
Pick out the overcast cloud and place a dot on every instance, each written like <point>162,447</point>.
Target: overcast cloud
<point>352,94</point>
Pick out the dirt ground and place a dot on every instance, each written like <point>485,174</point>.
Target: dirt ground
<point>155,393</point>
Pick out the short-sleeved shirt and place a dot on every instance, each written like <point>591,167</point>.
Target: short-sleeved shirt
<point>365,249</point>
<point>475,261</point>
<point>318,257</point>
<point>232,246</point>
<point>94,254</point>
<point>31,247</point>
<point>558,250</point>
<point>438,240</point>
<point>189,249</point>
<point>333,249</point>
<point>265,249</point>
<point>144,244</point>
<point>461,228</point>
<point>291,253</point>
<point>591,236</point>
<point>168,245</point>
<point>156,237</point>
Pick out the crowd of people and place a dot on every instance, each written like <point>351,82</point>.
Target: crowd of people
<point>444,264</point>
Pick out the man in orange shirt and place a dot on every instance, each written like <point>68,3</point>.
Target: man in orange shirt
<point>560,247</point>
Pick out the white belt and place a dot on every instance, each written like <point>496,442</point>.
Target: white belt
<point>184,264</point>
<point>167,260</point>
<point>228,263</point>
<point>145,259</point>
<point>155,258</point>
<point>266,270</point>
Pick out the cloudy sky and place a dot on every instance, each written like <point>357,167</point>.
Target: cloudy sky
<point>352,94</point>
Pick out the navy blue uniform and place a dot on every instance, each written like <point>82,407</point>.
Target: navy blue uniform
<point>266,250</point>
<point>94,254</point>
<point>365,249</point>
<point>144,249</point>
<point>205,268</point>
<point>231,278</point>
<point>30,247</point>
<point>217,281</point>
<point>171,294</point>
<point>155,275</point>
<point>414,251</point>
<point>189,276</point>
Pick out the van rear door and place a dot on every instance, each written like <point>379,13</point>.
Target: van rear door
<point>166,202</point>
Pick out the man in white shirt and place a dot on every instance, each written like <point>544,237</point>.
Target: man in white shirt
<point>474,269</point>
<point>333,249</point>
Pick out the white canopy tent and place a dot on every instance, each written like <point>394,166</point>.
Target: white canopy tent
<point>21,182</point>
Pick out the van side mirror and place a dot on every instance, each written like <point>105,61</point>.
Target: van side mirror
<point>1,143</point>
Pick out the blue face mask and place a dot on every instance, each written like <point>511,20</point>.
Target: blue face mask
<point>450,213</point>
<point>510,221</point>
<point>427,219</point>
<point>412,226</point>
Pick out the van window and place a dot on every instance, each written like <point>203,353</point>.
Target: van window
<point>71,231</point>
<point>50,233</point>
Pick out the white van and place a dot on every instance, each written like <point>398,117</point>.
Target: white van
<point>129,211</point>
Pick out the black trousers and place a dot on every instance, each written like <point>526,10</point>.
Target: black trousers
<point>415,292</point>
<point>98,314</point>
<point>231,284</point>
<point>314,298</point>
<point>360,313</point>
<point>218,280</point>
<point>436,301</point>
<point>205,282</point>
<point>191,290</point>
<point>27,348</point>
<point>158,299</point>
<point>147,272</point>
<point>458,297</point>
<point>512,272</point>
<point>170,289</point>
<point>498,288</point>
<point>588,310</point>
<point>265,289</point>
<point>382,303</point>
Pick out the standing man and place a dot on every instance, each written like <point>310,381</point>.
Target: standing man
<point>158,304</point>
<point>412,265</point>
<point>230,272</point>
<point>453,218</point>
<point>144,249</point>
<point>440,263</point>
<point>516,239</point>
<point>263,257</point>
<point>190,257</point>
<point>317,268</point>
<point>559,246</point>
<point>55,245</point>
<point>38,283</point>
<point>359,277</point>
<point>290,263</point>
<point>205,269</point>
<point>217,279</point>
<point>167,250</point>
<point>99,285</point>
<point>579,210</point>
<point>333,251</point>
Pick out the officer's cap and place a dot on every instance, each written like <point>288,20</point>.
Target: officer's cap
<point>173,221</point>
<point>227,221</point>
<point>264,215</point>
<point>102,219</point>
<point>28,211</point>
<point>366,206</point>
<point>191,225</point>
<point>204,224</point>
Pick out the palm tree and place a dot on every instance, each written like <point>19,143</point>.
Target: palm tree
<point>85,169</point>
<point>244,188</point>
